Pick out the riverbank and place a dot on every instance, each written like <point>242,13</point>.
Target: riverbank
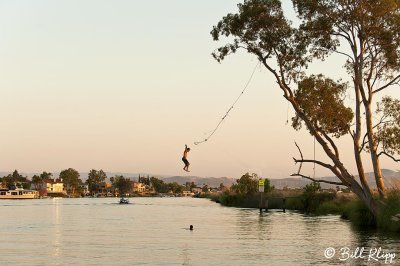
<point>313,202</point>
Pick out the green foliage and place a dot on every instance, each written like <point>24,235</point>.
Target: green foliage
<point>246,185</point>
<point>312,198</point>
<point>267,186</point>
<point>36,180</point>
<point>379,21</point>
<point>295,203</point>
<point>45,176</point>
<point>17,177</point>
<point>245,192</point>
<point>388,131</point>
<point>175,187</point>
<point>312,188</point>
<point>369,32</point>
<point>261,28</point>
<point>122,184</point>
<point>159,185</point>
<point>389,217</point>
<point>334,206</point>
<point>95,178</point>
<point>10,180</point>
<point>359,215</point>
<point>231,199</point>
<point>321,100</point>
<point>144,180</point>
<point>70,178</point>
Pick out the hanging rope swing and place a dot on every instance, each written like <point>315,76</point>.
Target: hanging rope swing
<point>230,108</point>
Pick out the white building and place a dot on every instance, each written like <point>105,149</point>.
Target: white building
<point>55,186</point>
<point>138,187</point>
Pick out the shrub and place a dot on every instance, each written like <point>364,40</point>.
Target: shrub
<point>358,214</point>
<point>329,207</point>
<point>295,203</point>
<point>312,198</point>
<point>231,199</point>
<point>389,217</point>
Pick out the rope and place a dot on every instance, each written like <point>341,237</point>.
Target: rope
<point>287,113</point>
<point>314,159</point>
<point>230,108</point>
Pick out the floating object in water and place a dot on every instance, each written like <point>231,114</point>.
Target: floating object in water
<point>124,201</point>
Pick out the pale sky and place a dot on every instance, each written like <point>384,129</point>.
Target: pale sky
<point>123,85</point>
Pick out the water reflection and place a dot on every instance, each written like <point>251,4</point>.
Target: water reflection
<point>185,255</point>
<point>57,229</point>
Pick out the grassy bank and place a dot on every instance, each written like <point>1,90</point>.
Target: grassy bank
<point>313,202</point>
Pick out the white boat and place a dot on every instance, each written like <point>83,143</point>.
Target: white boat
<point>18,193</point>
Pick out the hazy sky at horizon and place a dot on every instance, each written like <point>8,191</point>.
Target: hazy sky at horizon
<point>123,85</point>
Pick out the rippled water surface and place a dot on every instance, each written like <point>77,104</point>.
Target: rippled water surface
<point>154,231</point>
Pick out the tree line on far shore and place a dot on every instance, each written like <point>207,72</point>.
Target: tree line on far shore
<point>95,183</point>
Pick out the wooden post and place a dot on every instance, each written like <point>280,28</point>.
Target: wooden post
<point>261,202</point>
<point>266,204</point>
<point>284,204</point>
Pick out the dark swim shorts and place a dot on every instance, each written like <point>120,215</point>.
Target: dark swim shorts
<point>185,161</point>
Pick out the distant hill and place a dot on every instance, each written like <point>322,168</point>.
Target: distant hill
<point>210,181</point>
<point>391,178</point>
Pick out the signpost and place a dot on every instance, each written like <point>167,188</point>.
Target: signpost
<point>261,190</point>
<point>261,185</point>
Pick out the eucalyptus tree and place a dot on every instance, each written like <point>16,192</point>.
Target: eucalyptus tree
<point>365,33</point>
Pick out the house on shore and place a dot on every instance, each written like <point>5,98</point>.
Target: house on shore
<point>54,187</point>
<point>138,187</point>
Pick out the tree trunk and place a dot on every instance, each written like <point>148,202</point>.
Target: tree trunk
<point>356,144</point>
<point>374,157</point>
<point>364,192</point>
<point>368,200</point>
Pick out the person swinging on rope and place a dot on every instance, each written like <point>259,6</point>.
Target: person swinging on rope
<point>184,158</point>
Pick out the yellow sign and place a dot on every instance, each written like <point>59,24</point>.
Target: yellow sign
<point>261,182</point>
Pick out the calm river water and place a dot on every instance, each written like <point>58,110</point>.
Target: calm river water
<point>154,231</point>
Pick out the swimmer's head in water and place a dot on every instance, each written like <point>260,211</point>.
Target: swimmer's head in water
<point>191,227</point>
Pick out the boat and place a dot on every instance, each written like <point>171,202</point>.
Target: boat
<point>18,192</point>
<point>124,201</point>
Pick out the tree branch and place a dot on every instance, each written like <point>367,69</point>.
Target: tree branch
<point>338,52</point>
<point>302,160</point>
<point>388,155</point>
<point>332,143</point>
<point>301,154</point>
<point>319,180</point>
<point>287,93</point>
<point>392,82</point>
<point>313,161</point>
<point>363,143</point>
